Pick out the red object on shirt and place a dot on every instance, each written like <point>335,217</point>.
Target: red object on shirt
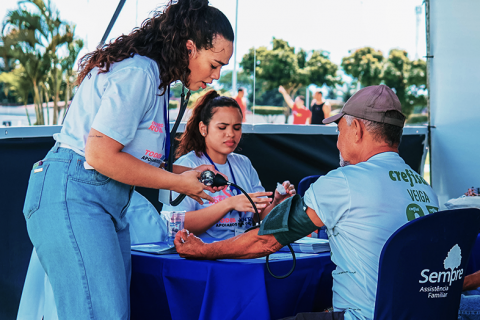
<point>300,115</point>
<point>243,107</point>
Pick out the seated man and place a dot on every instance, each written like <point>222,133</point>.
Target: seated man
<point>362,204</point>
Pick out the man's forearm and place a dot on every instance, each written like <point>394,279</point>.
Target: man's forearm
<point>245,246</point>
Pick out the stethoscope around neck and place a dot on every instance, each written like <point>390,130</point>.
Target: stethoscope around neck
<point>169,165</point>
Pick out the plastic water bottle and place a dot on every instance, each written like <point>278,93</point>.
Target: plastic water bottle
<point>175,224</point>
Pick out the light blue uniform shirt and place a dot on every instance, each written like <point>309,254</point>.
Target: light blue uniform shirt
<point>246,177</point>
<point>124,104</point>
<point>362,205</point>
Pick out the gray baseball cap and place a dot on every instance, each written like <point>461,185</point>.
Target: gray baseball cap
<point>371,103</point>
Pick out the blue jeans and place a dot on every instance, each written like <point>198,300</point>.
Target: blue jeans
<point>76,222</point>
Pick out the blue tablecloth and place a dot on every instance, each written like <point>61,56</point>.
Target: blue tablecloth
<point>170,287</point>
<point>474,262</point>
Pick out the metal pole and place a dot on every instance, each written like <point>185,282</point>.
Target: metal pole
<point>136,14</point>
<point>307,98</point>
<point>429,62</point>
<point>418,12</point>
<point>254,68</point>
<point>234,76</point>
<point>112,22</point>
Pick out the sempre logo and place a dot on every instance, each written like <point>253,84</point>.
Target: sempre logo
<point>451,263</point>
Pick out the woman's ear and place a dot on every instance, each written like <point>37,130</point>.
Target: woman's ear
<point>191,47</point>
<point>202,128</point>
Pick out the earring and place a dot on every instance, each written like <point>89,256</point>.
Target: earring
<point>189,51</point>
<point>203,134</point>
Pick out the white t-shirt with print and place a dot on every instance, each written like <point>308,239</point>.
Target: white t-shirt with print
<point>245,176</point>
<point>124,104</point>
<point>362,205</point>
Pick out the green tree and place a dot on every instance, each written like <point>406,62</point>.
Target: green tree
<point>67,64</point>
<point>243,80</point>
<point>6,52</point>
<point>365,65</point>
<point>281,66</point>
<point>407,78</point>
<point>417,84</point>
<point>38,32</point>
<point>18,82</point>
<point>395,75</point>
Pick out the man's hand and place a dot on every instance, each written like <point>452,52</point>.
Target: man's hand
<point>188,245</point>
<point>211,167</point>
<point>290,188</point>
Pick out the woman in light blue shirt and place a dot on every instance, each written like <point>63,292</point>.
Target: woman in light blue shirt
<point>115,136</point>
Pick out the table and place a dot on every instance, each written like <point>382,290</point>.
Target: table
<point>170,287</point>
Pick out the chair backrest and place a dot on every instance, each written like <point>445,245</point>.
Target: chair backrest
<point>422,266</point>
<point>305,183</point>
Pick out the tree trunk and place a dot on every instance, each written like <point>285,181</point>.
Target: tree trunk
<point>38,106</point>
<point>26,111</point>
<point>67,99</point>
<point>42,110</point>
<point>46,105</point>
<point>55,95</point>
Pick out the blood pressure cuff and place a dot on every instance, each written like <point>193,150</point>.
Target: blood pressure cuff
<point>288,221</point>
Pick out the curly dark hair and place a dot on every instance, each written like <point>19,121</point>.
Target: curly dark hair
<point>203,111</point>
<point>163,38</point>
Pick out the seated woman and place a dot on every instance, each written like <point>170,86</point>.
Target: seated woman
<point>211,135</point>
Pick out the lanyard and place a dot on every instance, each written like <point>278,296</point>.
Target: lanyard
<point>166,118</point>
<point>232,188</point>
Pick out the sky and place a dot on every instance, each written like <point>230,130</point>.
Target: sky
<point>336,26</point>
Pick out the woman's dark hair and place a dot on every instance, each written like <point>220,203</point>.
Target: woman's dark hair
<point>163,38</point>
<point>203,111</point>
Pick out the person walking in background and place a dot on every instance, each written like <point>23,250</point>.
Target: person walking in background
<point>320,109</point>
<point>301,114</point>
<point>242,102</point>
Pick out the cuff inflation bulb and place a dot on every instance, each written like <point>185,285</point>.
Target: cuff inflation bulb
<point>209,178</point>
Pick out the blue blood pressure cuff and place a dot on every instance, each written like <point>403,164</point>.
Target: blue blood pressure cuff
<point>288,221</point>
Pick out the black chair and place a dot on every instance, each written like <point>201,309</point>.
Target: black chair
<point>422,266</point>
